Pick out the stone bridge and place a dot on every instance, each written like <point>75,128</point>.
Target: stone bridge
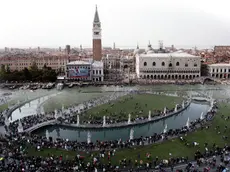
<point>206,78</point>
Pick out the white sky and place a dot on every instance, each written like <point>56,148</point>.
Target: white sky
<point>54,23</point>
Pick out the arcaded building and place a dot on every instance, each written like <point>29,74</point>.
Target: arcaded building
<point>219,70</point>
<point>159,64</point>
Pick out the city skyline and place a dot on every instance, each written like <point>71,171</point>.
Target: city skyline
<point>57,23</point>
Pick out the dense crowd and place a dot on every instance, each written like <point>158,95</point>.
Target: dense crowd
<point>14,148</point>
<point>3,100</point>
<point>111,119</point>
<point>14,153</point>
<point>68,116</point>
<point>115,144</point>
<point>30,121</point>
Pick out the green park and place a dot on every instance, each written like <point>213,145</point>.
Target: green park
<point>164,150</point>
<point>137,105</point>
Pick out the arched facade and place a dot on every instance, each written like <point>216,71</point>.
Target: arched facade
<point>170,66</point>
<point>220,71</point>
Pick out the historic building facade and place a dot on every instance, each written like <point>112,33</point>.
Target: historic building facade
<point>127,64</point>
<point>221,49</point>
<point>111,61</point>
<point>97,71</point>
<point>163,65</point>
<point>97,47</point>
<point>219,70</point>
<point>88,70</point>
<point>25,60</point>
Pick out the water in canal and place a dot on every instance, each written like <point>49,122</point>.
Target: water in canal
<point>54,99</point>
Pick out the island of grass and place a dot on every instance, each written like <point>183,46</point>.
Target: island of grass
<point>164,150</point>
<point>138,105</point>
<point>70,98</point>
<point>6,105</point>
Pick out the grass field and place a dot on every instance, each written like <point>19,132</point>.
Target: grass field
<point>68,99</point>
<point>175,147</point>
<point>137,105</point>
<point>5,106</point>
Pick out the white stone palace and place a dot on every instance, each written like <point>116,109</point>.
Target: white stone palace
<point>159,64</point>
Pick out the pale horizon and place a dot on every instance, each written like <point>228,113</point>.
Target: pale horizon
<point>56,23</point>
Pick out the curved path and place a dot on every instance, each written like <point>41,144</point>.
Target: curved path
<point>21,110</point>
<point>117,125</point>
<point>11,110</point>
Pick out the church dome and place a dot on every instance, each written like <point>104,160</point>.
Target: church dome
<point>149,50</point>
<point>136,51</point>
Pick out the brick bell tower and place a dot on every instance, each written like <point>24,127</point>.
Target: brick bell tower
<point>97,55</point>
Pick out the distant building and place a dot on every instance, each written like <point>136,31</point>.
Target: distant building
<point>6,49</point>
<point>127,64</point>
<point>221,49</point>
<point>219,70</point>
<point>79,71</point>
<point>88,70</point>
<point>19,61</point>
<point>163,65</point>
<point>97,71</point>
<point>67,49</point>
<point>111,61</point>
<point>97,48</point>
<point>111,67</point>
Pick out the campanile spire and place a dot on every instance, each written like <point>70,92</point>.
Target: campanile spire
<point>97,48</point>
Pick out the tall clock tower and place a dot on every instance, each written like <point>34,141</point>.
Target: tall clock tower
<point>97,55</point>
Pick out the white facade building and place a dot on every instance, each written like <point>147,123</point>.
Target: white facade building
<point>162,65</point>
<point>85,70</point>
<point>219,70</point>
<point>97,71</point>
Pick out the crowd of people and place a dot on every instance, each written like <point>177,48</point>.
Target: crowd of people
<point>14,152</point>
<point>4,98</point>
<point>15,146</point>
<point>66,118</point>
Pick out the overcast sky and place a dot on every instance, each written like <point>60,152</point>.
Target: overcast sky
<point>54,23</point>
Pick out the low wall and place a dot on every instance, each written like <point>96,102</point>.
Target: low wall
<point>43,124</point>
<point>109,126</point>
<point>10,111</point>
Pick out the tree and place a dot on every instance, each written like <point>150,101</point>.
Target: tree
<point>34,72</point>
<point>7,69</point>
<point>3,69</point>
<point>3,72</point>
<point>204,69</point>
<point>27,74</point>
<point>34,67</point>
<point>49,75</point>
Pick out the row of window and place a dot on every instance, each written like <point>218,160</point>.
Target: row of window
<point>77,67</point>
<point>97,72</point>
<point>169,76</point>
<point>221,75</point>
<point>217,70</point>
<point>29,64</point>
<point>24,64</point>
<point>154,71</point>
<point>170,64</point>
